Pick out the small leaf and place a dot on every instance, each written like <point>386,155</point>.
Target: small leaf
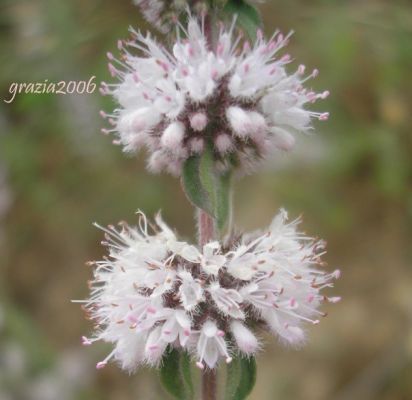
<point>175,375</point>
<point>217,187</point>
<point>248,17</point>
<point>192,185</point>
<point>185,367</point>
<point>241,377</point>
<point>222,206</point>
<point>206,188</point>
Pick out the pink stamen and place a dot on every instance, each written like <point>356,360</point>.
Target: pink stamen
<point>246,47</point>
<point>337,274</point>
<point>101,364</point>
<point>219,49</point>
<point>336,299</point>
<point>112,70</point>
<point>286,58</point>
<point>132,318</point>
<point>325,94</point>
<point>86,341</point>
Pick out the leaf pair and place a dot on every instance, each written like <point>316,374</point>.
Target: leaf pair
<point>176,377</point>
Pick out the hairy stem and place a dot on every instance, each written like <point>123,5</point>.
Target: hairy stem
<point>207,233</point>
<point>206,225</point>
<point>209,384</point>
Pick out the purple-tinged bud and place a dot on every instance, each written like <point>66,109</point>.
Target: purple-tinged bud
<point>223,143</point>
<point>198,121</point>
<point>196,145</point>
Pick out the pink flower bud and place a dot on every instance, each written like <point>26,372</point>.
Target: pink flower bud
<point>198,121</point>
<point>197,145</point>
<point>223,143</point>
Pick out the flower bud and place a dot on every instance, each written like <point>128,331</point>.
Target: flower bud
<point>244,338</point>
<point>198,121</point>
<point>223,143</point>
<point>239,121</point>
<point>196,145</point>
<point>282,139</point>
<point>173,135</point>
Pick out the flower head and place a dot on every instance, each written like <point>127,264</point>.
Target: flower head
<point>230,96</point>
<point>154,291</point>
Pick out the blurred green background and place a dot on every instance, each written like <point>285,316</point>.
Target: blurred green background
<point>352,182</point>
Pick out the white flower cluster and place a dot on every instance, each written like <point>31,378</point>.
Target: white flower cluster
<point>234,97</point>
<point>154,291</point>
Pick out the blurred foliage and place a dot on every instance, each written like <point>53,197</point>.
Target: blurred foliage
<point>352,180</point>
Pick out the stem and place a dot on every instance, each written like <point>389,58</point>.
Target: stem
<point>206,226</point>
<point>207,232</point>
<point>209,384</point>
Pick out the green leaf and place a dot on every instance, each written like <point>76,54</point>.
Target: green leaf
<point>241,377</point>
<point>217,187</point>
<point>175,375</point>
<point>207,188</point>
<point>192,185</point>
<point>248,17</point>
<point>185,368</point>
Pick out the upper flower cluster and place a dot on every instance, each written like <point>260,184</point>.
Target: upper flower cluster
<point>154,290</point>
<point>232,96</point>
<point>163,14</point>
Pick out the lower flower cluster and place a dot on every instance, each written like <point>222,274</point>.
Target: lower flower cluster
<point>155,291</point>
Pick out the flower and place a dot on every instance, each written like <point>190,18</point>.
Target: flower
<point>232,97</point>
<point>154,291</point>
